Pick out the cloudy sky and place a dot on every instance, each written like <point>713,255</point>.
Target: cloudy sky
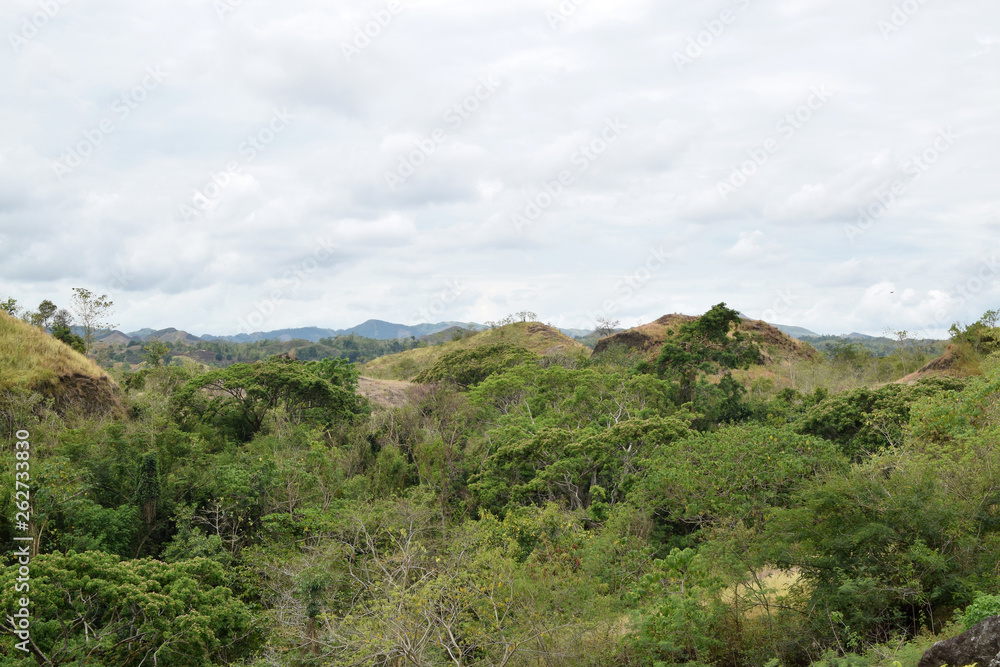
<point>224,165</point>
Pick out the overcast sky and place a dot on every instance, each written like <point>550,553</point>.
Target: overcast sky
<point>224,165</point>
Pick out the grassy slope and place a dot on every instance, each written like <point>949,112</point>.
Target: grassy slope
<point>534,336</point>
<point>649,338</point>
<point>31,358</point>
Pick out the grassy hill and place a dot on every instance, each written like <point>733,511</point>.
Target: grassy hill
<point>534,336</point>
<point>33,360</point>
<point>649,338</point>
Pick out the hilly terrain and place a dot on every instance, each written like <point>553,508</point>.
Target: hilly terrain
<point>32,360</point>
<point>533,336</point>
<point>503,497</point>
<point>647,339</point>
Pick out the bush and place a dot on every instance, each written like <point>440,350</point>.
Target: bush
<point>981,608</point>
<point>467,368</point>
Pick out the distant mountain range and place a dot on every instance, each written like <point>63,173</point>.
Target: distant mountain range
<point>378,329</point>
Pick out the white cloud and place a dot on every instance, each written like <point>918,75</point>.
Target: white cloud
<point>324,176</point>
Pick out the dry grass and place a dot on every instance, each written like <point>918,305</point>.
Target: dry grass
<point>387,393</point>
<point>539,338</point>
<point>32,359</point>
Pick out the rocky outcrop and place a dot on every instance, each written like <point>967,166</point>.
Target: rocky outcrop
<point>979,645</point>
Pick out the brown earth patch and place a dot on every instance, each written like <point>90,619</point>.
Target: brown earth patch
<point>387,393</point>
<point>92,395</point>
<point>947,364</point>
<point>649,338</point>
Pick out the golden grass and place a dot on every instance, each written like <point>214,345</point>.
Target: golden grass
<point>539,338</point>
<point>32,359</point>
<point>386,393</point>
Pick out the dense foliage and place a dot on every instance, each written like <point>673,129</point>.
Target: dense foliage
<point>514,510</point>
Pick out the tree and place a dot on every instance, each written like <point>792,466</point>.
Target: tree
<point>244,394</point>
<point>92,310</point>
<point>606,326</point>
<point>93,608</point>
<point>155,352</point>
<point>10,307</point>
<point>526,316</point>
<point>708,344</point>
<point>902,348</point>
<point>467,368</point>
<point>46,311</point>
<point>62,321</point>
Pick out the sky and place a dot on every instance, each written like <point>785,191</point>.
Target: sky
<point>225,166</point>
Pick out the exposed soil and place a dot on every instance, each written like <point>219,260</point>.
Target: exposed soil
<point>93,395</point>
<point>946,364</point>
<point>387,393</point>
<point>648,338</point>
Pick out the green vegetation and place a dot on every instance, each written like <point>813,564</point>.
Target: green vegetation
<point>532,336</point>
<point>32,360</point>
<point>704,503</point>
<point>467,368</point>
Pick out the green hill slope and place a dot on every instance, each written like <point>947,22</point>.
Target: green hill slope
<point>534,336</point>
<point>32,360</point>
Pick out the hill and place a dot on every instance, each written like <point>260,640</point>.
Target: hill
<point>649,338</point>
<point>793,331</point>
<point>534,336</point>
<point>33,360</point>
<point>376,329</point>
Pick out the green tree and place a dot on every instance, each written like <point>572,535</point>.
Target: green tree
<point>155,352</point>
<point>93,310</point>
<point>10,307</point>
<point>93,608</point>
<point>246,393</point>
<point>62,321</point>
<point>467,368</point>
<point>709,344</point>
<point>43,316</point>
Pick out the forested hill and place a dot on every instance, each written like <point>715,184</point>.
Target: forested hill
<point>505,498</point>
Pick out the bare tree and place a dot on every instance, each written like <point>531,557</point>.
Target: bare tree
<point>606,326</point>
<point>93,310</point>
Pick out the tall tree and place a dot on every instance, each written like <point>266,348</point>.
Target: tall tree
<point>92,310</point>
<point>43,316</point>
<point>62,320</point>
<point>9,306</point>
<point>712,343</point>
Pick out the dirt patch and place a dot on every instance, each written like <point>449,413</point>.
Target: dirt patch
<point>777,343</point>
<point>387,393</point>
<point>947,364</point>
<point>92,395</point>
<point>649,338</point>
